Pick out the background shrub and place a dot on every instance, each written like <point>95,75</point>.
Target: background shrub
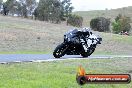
<point>75,20</point>
<point>100,24</point>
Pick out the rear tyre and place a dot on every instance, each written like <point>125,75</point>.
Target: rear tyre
<point>59,51</point>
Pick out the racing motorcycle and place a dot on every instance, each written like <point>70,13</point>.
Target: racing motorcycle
<point>78,42</point>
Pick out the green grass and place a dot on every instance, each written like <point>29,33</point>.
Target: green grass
<point>61,74</point>
<point>114,44</point>
<point>109,37</point>
<point>103,53</point>
<point>122,39</point>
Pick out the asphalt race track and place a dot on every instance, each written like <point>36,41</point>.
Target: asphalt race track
<point>6,58</point>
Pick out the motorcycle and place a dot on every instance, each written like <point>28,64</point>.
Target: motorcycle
<point>78,42</point>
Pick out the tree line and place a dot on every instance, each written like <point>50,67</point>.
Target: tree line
<point>22,8</point>
<point>56,11</point>
<point>53,11</point>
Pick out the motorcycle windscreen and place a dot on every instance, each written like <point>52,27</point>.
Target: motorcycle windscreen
<point>71,34</point>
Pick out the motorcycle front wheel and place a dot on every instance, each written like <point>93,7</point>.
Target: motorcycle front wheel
<point>60,50</point>
<point>88,53</point>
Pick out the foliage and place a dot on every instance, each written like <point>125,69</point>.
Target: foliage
<point>12,7</point>
<point>122,23</point>
<point>53,10</point>
<point>21,8</point>
<point>100,24</point>
<point>116,27</point>
<point>49,10</point>
<point>1,1</point>
<point>75,20</point>
<point>66,8</point>
<point>27,7</point>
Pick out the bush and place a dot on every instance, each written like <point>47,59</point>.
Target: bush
<point>122,23</point>
<point>100,24</point>
<point>75,20</point>
<point>116,27</point>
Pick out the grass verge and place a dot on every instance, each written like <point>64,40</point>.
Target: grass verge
<point>61,74</point>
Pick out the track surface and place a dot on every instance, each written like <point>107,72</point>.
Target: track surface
<point>47,57</point>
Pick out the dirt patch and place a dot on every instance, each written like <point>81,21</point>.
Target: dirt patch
<point>7,37</point>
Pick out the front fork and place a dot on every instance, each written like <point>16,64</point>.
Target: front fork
<point>84,45</point>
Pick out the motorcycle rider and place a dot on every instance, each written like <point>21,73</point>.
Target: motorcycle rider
<point>90,38</point>
<point>78,42</point>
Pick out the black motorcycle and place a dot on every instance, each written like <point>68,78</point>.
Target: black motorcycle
<point>77,42</point>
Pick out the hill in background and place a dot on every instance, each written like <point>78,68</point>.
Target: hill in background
<point>24,35</point>
<point>88,15</point>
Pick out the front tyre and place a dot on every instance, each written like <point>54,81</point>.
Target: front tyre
<point>60,50</point>
<point>91,51</point>
<point>84,54</point>
<point>88,53</point>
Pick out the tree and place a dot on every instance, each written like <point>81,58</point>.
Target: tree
<point>31,5</point>
<point>1,1</point>
<point>116,27</point>
<point>24,11</point>
<point>5,9</point>
<point>13,6</point>
<point>27,7</point>
<point>66,8</point>
<point>49,10</point>
<point>8,5</point>
<point>122,23</point>
<point>20,7</point>
<point>36,13</point>
<point>53,10</point>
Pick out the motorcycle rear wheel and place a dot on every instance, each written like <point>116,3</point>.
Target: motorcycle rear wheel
<point>59,50</point>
